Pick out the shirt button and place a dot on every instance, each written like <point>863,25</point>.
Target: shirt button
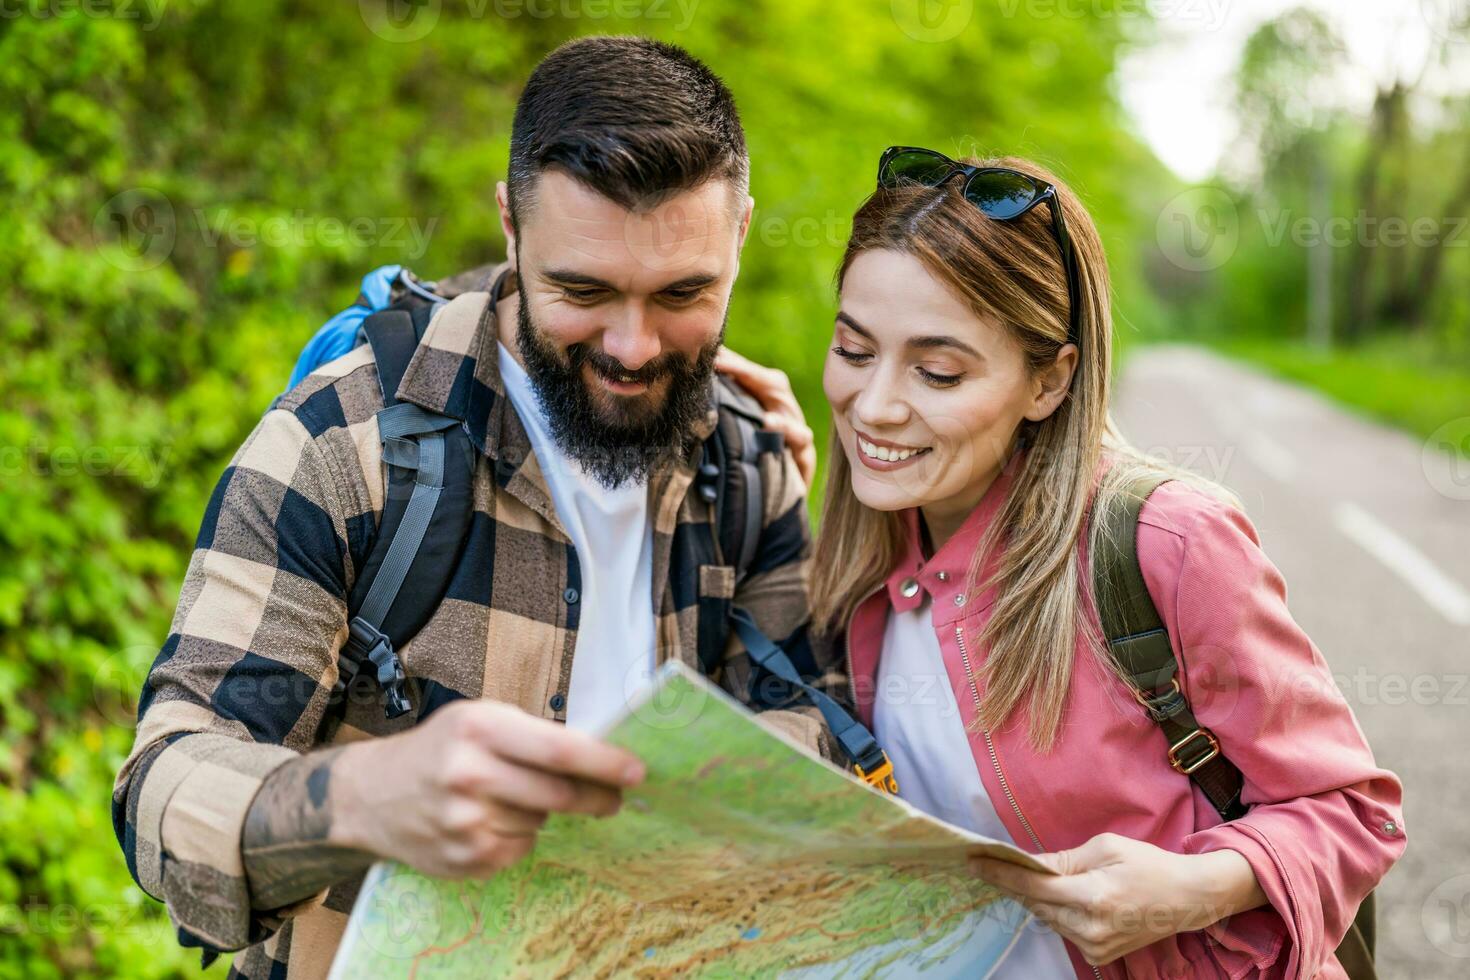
<point>1390,828</point>
<point>558,701</point>
<point>571,596</point>
<point>908,588</point>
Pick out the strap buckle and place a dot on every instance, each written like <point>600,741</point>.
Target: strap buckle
<point>879,775</point>
<point>1188,768</point>
<point>375,648</point>
<point>1162,707</point>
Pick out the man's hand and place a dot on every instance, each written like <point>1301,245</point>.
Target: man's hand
<point>1114,895</point>
<point>463,794</point>
<point>772,388</point>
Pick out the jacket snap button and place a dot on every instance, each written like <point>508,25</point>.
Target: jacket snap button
<point>571,596</point>
<point>908,588</point>
<point>1390,828</point>
<point>959,600</point>
<point>942,576</point>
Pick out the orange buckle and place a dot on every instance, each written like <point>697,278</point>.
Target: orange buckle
<point>1204,733</point>
<point>881,778</point>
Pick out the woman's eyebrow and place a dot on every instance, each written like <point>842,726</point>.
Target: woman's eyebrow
<point>919,343</point>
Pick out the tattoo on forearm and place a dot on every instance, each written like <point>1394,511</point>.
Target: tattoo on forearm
<point>285,849</point>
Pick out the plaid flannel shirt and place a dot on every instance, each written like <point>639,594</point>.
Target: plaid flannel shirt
<point>242,682</point>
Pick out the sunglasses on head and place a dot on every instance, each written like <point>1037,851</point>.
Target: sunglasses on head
<point>999,192</point>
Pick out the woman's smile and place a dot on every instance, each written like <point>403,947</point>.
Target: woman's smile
<point>883,455</point>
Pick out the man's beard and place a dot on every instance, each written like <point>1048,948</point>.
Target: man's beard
<point>616,438</point>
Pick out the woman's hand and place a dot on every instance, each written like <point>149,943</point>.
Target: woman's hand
<point>1114,895</point>
<point>772,389</point>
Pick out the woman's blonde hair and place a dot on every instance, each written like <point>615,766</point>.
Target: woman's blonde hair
<point>1008,272</point>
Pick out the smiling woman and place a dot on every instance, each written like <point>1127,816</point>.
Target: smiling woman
<point>977,490</point>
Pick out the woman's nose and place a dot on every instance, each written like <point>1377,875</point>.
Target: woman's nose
<point>880,403</point>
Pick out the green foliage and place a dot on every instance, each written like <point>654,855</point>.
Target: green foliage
<point>191,188</point>
<point>1347,234</point>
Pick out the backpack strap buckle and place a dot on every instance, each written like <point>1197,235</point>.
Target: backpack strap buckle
<point>1162,707</point>
<point>1188,766</point>
<point>371,645</point>
<point>877,773</point>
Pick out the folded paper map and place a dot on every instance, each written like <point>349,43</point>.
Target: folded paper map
<point>740,855</point>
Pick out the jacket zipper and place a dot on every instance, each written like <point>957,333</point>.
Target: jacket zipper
<point>959,635</point>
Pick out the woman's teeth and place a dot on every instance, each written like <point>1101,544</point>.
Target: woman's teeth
<point>885,453</point>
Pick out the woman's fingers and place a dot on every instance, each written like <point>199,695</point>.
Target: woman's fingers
<point>799,439</point>
<point>772,388</point>
<point>1025,884</point>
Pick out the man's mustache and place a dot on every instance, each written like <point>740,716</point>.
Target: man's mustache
<point>610,367</point>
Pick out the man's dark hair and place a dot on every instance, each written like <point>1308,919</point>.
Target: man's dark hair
<point>632,118</point>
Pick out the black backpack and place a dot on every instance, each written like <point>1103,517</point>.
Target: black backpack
<point>1139,642</point>
<point>427,511</point>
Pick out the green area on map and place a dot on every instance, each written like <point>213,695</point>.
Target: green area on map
<point>741,855</point>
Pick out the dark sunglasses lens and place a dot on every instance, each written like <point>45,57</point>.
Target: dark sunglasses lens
<point>917,166</point>
<point>1000,194</point>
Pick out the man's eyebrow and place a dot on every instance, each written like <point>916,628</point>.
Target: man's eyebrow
<point>921,343</point>
<point>570,277</point>
<point>697,281</point>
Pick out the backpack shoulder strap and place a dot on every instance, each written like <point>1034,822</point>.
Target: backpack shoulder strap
<point>426,516</point>
<point>735,447</point>
<point>1140,645</point>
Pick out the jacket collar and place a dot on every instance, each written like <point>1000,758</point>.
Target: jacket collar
<point>943,577</point>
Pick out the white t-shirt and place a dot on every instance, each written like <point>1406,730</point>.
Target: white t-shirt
<point>916,720</point>
<point>613,535</point>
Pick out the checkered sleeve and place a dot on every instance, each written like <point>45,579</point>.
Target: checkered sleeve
<point>241,683</point>
<point>775,591</point>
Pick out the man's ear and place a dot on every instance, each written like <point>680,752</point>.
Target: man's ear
<point>1052,383</point>
<point>507,227</point>
<point>745,220</point>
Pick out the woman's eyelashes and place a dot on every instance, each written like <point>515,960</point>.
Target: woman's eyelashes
<point>931,378</point>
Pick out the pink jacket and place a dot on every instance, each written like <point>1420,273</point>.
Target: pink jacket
<point>1325,822</point>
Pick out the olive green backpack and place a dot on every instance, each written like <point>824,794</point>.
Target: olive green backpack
<point>1140,644</point>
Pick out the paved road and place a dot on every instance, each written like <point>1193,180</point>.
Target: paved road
<point>1373,536</point>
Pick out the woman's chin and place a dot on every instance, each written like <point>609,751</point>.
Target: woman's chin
<point>882,491</point>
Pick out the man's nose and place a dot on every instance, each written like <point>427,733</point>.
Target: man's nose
<point>631,338</point>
